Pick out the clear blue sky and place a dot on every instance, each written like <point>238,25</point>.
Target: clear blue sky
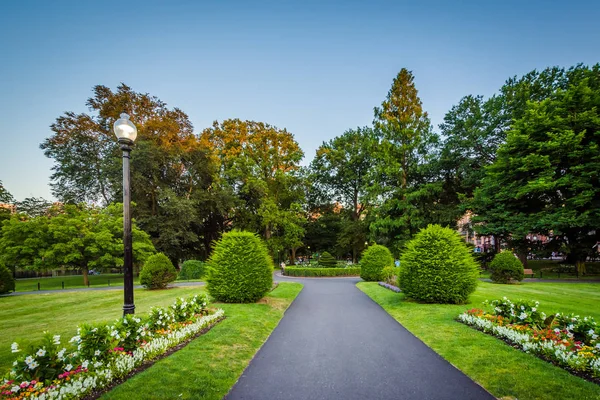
<point>316,68</point>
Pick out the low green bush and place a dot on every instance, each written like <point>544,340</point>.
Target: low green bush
<point>373,261</point>
<point>295,271</point>
<point>7,282</point>
<point>437,267</point>
<point>389,275</point>
<point>158,272</point>
<point>191,269</point>
<point>240,269</point>
<point>327,261</point>
<point>506,267</point>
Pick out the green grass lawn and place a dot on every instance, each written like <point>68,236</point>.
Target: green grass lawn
<point>74,282</point>
<point>502,370</point>
<point>210,365</point>
<point>25,318</point>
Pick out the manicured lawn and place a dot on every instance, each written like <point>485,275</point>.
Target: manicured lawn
<point>25,318</point>
<point>74,281</point>
<point>211,364</point>
<point>502,370</point>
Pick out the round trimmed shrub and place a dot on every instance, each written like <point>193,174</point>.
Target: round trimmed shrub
<point>191,269</point>
<point>7,282</point>
<point>437,267</point>
<point>327,261</point>
<point>506,267</point>
<point>373,261</point>
<point>158,272</point>
<point>240,269</point>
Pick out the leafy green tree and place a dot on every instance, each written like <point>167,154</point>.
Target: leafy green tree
<point>261,163</point>
<point>343,170</point>
<point>5,196</point>
<point>171,173</point>
<point>545,178</point>
<point>406,144</point>
<point>34,206</point>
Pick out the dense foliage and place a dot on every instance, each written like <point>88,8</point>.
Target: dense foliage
<point>158,272</point>
<point>191,269</point>
<point>437,267</point>
<point>315,272</point>
<point>240,269</point>
<point>505,267</point>
<point>7,282</point>
<point>373,262</point>
<point>327,260</point>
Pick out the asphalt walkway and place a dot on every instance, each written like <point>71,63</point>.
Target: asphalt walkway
<point>334,342</point>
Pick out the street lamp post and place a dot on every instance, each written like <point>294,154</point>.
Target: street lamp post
<point>126,133</point>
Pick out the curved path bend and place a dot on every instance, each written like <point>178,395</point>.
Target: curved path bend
<point>334,342</point>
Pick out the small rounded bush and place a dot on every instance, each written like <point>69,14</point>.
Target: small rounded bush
<point>191,269</point>
<point>373,261</point>
<point>240,269</point>
<point>506,267</point>
<point>437,267</point>
<point>7,282</point>
<point>157,272</point>
<point>327,261</point>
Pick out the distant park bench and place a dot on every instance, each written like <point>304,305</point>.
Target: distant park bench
<point>528,271</point>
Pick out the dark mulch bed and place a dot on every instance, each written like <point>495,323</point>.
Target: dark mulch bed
<point>147,364</point>
<point>583,375</point>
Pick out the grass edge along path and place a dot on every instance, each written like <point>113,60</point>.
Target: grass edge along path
<point>210,365</point>
<point>505,372</point>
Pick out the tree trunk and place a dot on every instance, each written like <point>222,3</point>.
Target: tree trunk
<point>523,257</point>
<point>86,280</point>
<point>293,260</point>
<point>354,254</point>
<point>496,244</point>
<point>580,267</point>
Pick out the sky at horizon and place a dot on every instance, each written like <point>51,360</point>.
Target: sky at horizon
<point>316,68</point>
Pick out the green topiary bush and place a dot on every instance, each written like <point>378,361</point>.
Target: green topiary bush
<point>506,267</point>
<point>240,269</point>
<point>191,269</point>
<point>327,261</point>
<point>437,267</point>
<point>7,282</point>
<point>373,261</point>
<point>157,272</point>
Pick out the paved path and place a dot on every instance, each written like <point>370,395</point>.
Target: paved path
<point>91,289</point>
<point>336,343</point>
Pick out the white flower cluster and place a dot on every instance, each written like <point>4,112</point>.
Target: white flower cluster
<point>549,348</point>
<point>84,383</point>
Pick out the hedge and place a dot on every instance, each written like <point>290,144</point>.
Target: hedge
<point>297,271</point>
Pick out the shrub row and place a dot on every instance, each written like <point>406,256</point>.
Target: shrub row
<point>191,269</point>
<point>295,271</point>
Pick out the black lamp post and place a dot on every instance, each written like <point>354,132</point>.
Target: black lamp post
<point>126,133</point>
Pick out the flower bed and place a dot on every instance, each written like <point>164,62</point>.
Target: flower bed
<point>391,287</point>
<point>102,354</point>
<point>569,341</point>
<point>315,272</point>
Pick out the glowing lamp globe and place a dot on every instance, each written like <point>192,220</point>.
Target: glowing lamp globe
<point>125,129</point>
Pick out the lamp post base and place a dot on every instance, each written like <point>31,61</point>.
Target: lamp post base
<point>128,309</point>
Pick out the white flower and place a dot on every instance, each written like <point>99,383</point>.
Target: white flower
<point>61,354</point>
<point>534,309</point>
<point>28,360</point>
<point>41,353</point>
<point>594,336</point>
<point>56,339</point>
<point>85,364</point>
<point>69,367</point>
<point>598,346</point>
<point>33,365</point>
<point>522,316</point>
<point>591,332</point>
<point>522,308</point>
<point>97,353</point>
<point>97,364</point>
<point>570,327</point>
<point>556,330</point>
<point>15,347</point>
<point>15,389</point>
<point>125,321</point>
<point>15,363</point>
